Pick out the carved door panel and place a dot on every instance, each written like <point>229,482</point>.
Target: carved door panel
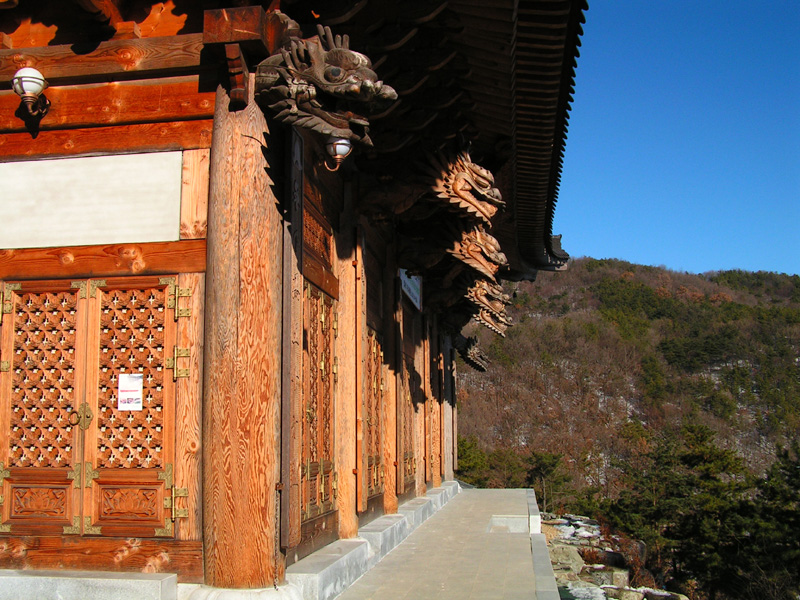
<point>405,426</point>
<point>129,453</point>
<point>373,415</point>
<point>318,478</point>
<point>79,462</point>
<point>41,395</point>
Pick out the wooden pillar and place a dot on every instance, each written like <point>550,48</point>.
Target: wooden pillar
<point>448,402</point>
<point>392,359</point>
<point>348,350</point>
<point>435,378</point>
<point>292,412</point>
<point>242,372</point>
<point>421,406</point>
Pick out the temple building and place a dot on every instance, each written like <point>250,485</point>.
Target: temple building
<point>239,244</point>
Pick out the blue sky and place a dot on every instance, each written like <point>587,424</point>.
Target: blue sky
<point>684,136</point>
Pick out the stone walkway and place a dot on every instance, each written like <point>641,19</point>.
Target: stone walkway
<point>476,547</point>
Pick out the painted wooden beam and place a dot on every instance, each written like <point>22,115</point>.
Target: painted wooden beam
<point>157,258</point>
<point>146,137</point>
<point>121,103</point>
<point>112,59</point>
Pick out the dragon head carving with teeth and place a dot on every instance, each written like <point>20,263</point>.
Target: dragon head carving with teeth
<point>466,186</point>
<point>320,84</point>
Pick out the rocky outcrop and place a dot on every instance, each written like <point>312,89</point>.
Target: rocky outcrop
<point>589,566</point>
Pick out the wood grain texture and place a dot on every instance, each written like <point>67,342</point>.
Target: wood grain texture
<point>146,137</point>
<point>194,194</point>
<point>242,358</point>
<point>360,347</point>
<point>391,367</point>
<point>345,398</point>
<point>176,54</point>
<point>447,408</point>
<point>292,437</point>
<point>188,449</point>
<point>120,555</point>
<point>121,103</point>
<point>99,261</point>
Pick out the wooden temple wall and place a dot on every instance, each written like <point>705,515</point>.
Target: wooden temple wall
<point>307,395</point>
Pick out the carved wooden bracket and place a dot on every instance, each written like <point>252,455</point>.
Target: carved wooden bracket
<point>239,76</point>
<point>247,32</point>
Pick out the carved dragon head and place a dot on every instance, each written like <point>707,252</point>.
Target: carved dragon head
<point>488,295</point>
<point>466,186</point>
<point>479,250</point>
<point>320,84</point>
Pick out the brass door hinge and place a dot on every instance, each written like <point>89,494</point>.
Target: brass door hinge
<point>172,362</point>
<point>5,366</point>
<point>335,369</point>
<point>174,293</point>
<point>169,503</point>
<point>7,299</point>
<point>335,325</point>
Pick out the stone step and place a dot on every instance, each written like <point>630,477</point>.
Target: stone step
<point>86,585</point>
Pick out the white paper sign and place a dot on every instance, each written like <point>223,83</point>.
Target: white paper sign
<point>130,391</point>
<point>412,286</point>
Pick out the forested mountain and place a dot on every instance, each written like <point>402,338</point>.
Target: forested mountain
<point>657,401</point>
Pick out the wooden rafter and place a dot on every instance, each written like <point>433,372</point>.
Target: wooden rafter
<point>177,54</point>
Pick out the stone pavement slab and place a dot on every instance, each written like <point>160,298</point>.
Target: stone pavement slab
<point>473,548</point>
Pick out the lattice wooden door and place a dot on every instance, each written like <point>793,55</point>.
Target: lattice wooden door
<point>373,415</point>
<point>318,478</point>
<point>405,426</point>
<point>77,461</point>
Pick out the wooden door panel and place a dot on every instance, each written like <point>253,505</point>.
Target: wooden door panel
<point>131,331</point>
<point>373,415</point>
<point>40,388</point>
<point>318,478</point>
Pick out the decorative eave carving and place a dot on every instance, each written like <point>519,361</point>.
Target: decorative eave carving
<point>489,296</point>
<point>320,84</point>
<point>466,186</point>
<point>495,322</point>
<point>479,250</point>
<point>469,350</point>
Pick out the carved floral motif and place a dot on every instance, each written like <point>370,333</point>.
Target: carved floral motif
<point>39,502</point>
<point>129,503</point>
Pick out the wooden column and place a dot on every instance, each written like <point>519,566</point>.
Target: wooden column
<point>348,351</point>
<point>448,448</point>
<point>392,359</point>
<point>242,373</point>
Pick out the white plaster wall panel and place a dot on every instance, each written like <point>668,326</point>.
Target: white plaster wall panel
<point>115,199</point>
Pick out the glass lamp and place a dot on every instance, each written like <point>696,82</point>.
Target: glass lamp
<point>339,148</point>
<point>29,84</point>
